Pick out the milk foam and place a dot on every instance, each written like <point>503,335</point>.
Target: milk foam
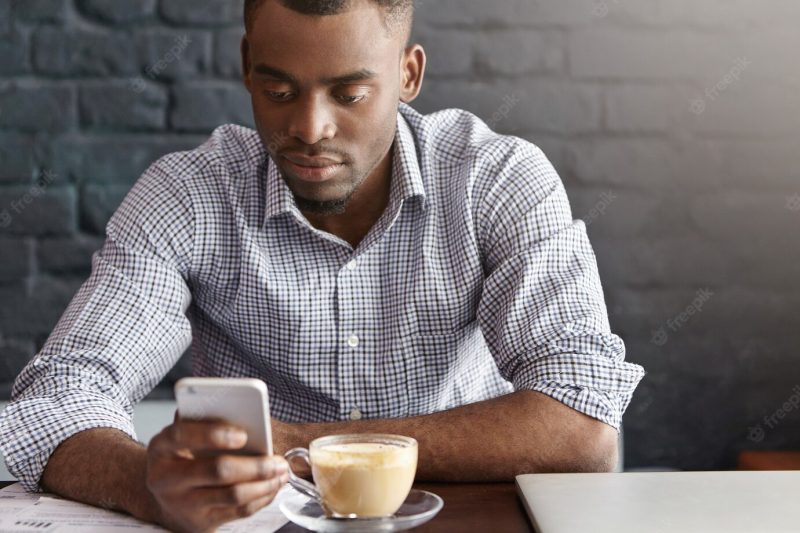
<point>363,454</point>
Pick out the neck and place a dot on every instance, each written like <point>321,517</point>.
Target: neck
<point>365,207</point>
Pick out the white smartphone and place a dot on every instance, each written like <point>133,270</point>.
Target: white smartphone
<point>240,401</point>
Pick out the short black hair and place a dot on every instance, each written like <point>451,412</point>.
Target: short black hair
<point>399,13</point>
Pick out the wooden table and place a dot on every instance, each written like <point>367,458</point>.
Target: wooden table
<point>467,507</point>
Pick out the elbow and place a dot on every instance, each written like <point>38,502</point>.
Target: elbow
<point>595,450</point>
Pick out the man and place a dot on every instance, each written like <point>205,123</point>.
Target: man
<point>380,270</point>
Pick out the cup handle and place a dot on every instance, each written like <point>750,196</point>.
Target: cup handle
<point>298,483</point>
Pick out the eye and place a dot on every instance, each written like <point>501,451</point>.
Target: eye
<point>349,100</point>
<point>278,96</point>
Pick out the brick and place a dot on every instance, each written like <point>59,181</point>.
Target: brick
<point>763,220</point>
<point>120,105</point>
<point>68,255</point>
<point>113,159</point>
<point>13,53</point>
<point>638,312</point>
<point>746,107</point>
<point>16,254</point>
<point>641,163</point>
<point>644,262</point>
<point>506,13</point>
<point>16,158</point>
<point>732,14</point>
<point>207,13</point>
<point>639,108</point>
<point>14,355</point>
<point>203,107</point>
<point>227,53</point>
<point>749,164</point>
<point>35,311</point>
<point>516,52</point>
<point>448,52</point>
<point>37,210</point>
<point>5,19</point>
<point>750,312</point>
<point>83,53</point>
<point>520,106</point>
<point>35,108</point>
<point>118,11</point>
<point>98,203</point>
<point>40,10</point>
<point>170,55</point>
<point>611,213</point>
<point>634,14</point>
<point>760,48</point>
<point>646,54</point>
<point>684,313</point>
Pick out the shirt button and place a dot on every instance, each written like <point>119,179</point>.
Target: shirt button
<point>355,414</point>
<point>352,341</point>
<point>351,265</point>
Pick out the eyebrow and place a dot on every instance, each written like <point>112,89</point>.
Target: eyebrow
<point>358,75</point>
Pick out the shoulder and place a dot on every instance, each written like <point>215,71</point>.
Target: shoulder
<point>457,140</point>
<point>229,149</point>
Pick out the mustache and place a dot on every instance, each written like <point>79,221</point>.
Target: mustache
<point>329,153</point>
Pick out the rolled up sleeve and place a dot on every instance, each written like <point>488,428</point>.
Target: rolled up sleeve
<point>124,329</point>
<point>542,310</point>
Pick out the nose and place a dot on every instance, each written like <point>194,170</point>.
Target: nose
<point>312,121</point>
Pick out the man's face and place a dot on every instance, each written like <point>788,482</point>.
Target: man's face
<point>324,87</point>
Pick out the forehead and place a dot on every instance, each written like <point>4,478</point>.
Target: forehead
<point>354,39</point>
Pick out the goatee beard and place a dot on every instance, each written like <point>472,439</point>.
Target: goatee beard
<point>328,207</point>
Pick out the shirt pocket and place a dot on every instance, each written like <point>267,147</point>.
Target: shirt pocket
<point>440,368</point>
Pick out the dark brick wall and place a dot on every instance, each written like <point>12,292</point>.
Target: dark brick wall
<point>674,123</point>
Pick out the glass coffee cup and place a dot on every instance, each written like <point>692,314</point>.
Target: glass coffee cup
<point>359,475</point>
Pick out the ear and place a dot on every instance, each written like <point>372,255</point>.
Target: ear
<point>413,66</point>
<point>245,51</point>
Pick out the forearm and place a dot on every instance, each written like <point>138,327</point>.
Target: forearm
<point>493,440</point>
<point>116,482</point>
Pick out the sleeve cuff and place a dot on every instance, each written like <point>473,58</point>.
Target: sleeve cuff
<point>594,386</point>
<point>32,428</point>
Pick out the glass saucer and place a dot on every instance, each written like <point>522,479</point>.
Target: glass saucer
<point>419,507</point>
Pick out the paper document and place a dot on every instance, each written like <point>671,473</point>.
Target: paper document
<point>22,512</point>
<point>14,499</point>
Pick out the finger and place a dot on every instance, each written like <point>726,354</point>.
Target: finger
<point>199,435</point>
<point>226,514</point>
<point>223,470</point>
<point>240,493</point>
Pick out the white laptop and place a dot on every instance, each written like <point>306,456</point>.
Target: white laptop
<point>655,502</point>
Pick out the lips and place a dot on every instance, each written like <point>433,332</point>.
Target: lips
<point>313,162</point>
<point>314,169</point>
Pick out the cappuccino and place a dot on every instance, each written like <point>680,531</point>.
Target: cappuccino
<point>367,477</point>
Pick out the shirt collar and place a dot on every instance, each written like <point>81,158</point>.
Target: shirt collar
<point>406,175</point>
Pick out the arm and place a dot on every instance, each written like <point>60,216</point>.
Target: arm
<point>492,440</point>
<point>183,480</point>
<point>121,333</point>
<point>117,482</point>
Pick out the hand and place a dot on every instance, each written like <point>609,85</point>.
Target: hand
<point>284,438</point>
<point>199,487</point>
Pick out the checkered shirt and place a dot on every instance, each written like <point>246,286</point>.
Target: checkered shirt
<point>474,282</point>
